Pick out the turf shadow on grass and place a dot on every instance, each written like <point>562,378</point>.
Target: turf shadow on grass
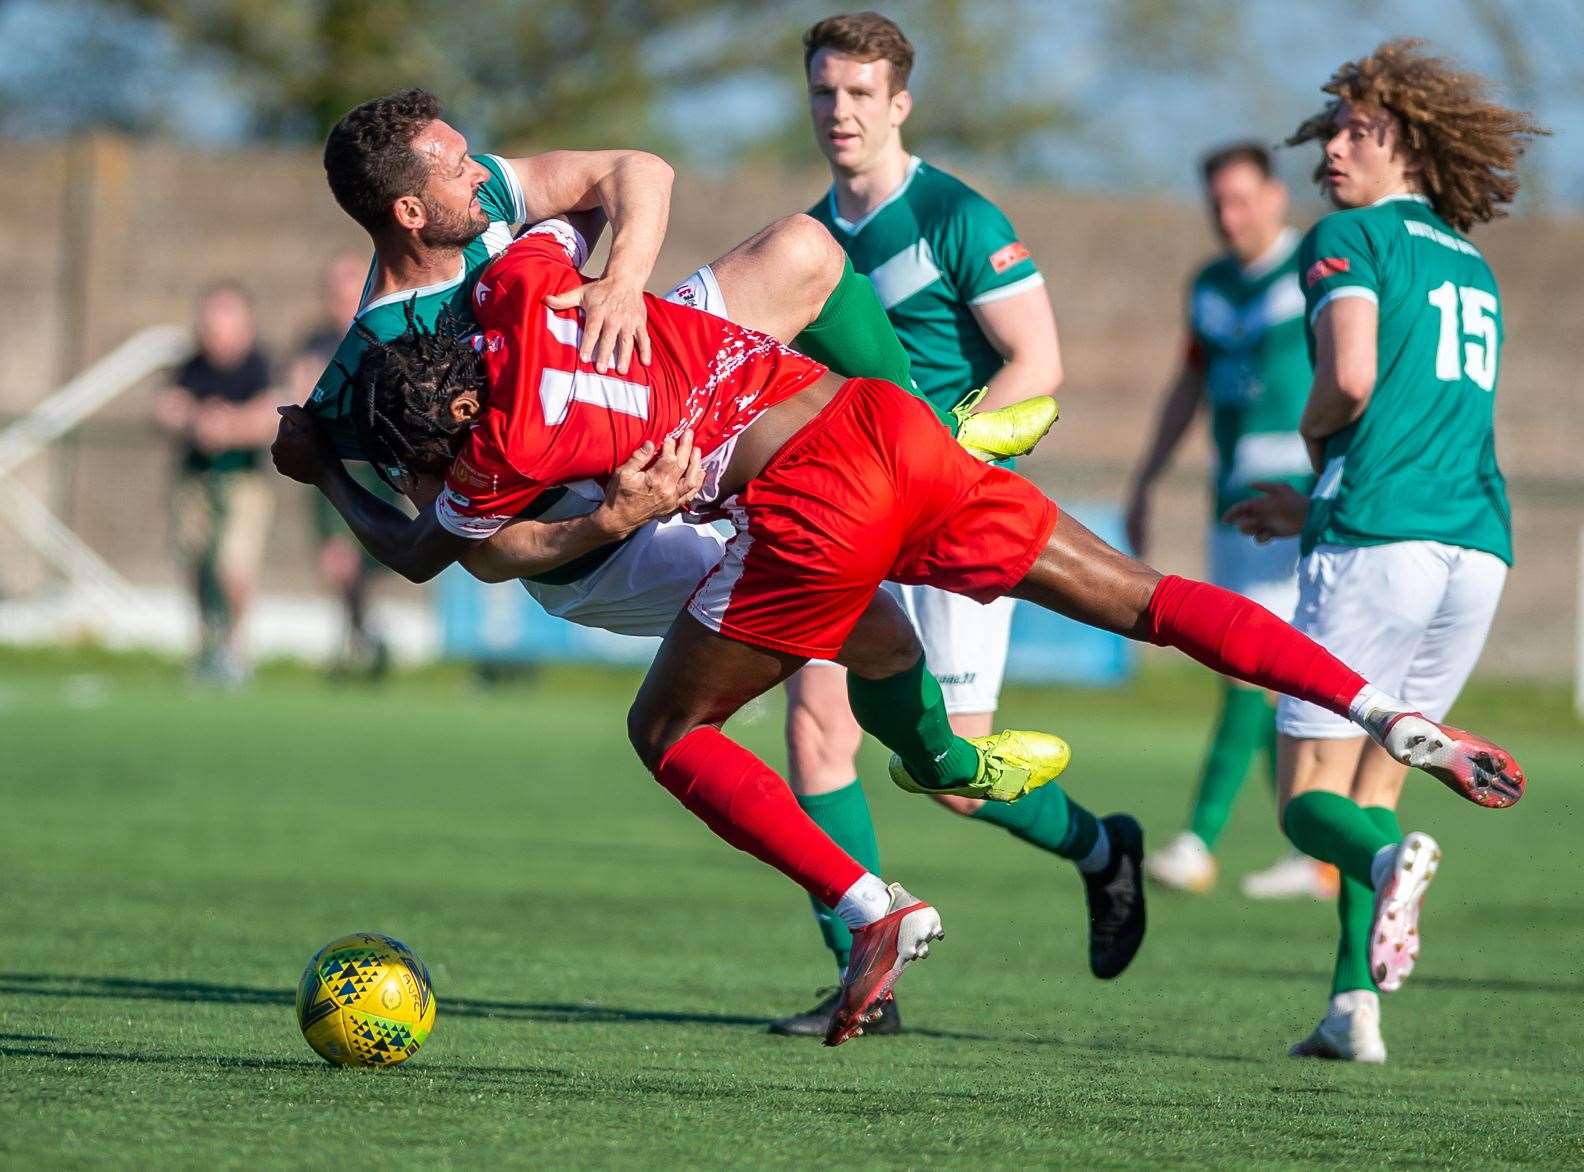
<point>69,986</point>
<point>236,1062</point>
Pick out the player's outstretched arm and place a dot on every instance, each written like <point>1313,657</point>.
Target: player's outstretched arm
<point>646,488</point>
<point>417,548</point>
<point>633,188</point>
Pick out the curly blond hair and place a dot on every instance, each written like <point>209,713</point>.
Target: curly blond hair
<point>1467,146</point>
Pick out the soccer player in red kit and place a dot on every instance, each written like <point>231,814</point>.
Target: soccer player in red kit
<point>833,487</point>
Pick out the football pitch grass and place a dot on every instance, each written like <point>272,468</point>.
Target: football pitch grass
<point>604,967</point>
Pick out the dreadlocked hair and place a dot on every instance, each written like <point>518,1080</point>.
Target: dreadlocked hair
<point>402,391</point>
<point>1467,146</point>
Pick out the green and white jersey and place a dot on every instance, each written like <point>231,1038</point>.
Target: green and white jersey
<point>934,248</point>
<point>386,317</point>
<point>1420,463</point>
<point>1247,339</point>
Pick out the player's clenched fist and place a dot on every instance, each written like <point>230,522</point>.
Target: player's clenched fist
<point>649,486</point>
<point>302,450</point>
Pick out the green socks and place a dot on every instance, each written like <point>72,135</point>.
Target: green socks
<point>907,714</point>
<point>1047,818</point>
<point>1247,725</point>
<point>1333,829</point>
<point>854,337</point>
<point>1356,911</point>
<point>844,815</point>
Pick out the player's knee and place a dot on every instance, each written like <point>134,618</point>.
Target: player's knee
<point>807,254</point>
<point>652,731</point>
<point>882,643</point>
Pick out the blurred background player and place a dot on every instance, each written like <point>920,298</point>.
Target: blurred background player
<point>344,564</point>
<point>972,312</point>
<point>1247,359</point>
<point>220,408</point>
<point>1408,533</point>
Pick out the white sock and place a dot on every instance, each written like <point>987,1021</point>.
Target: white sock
<point>1373,709</point>
<point>864,902</point>
<point>1343,1004</point>
<point>1381,865</point>
<point>1099,856</point>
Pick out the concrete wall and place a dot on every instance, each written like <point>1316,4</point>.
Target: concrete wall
<point>107,236</point>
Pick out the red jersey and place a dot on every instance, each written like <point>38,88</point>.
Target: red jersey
<point>552,419</point>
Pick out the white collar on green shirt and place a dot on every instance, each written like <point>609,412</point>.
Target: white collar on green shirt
<point>852,228</point>
<point>404,294</point>
<point>1280,249</point>
<point>1417,197</point>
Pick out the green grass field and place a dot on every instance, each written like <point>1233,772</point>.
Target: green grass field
<point>604,966</point>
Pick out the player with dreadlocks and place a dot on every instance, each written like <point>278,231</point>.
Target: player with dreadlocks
<point>833,486</point>
<point>1407,537</point>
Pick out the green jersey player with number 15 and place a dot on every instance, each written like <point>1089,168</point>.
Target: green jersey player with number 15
<point>1407,539</point>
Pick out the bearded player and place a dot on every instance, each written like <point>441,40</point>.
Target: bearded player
<point>436,213</point>
<point>1407,537</point>
<point>832,486</point>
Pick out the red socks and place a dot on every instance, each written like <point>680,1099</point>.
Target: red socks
<point>1237,637</point>
<point>742,800</point>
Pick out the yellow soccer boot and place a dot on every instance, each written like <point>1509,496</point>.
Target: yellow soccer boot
<point>1011,764</point>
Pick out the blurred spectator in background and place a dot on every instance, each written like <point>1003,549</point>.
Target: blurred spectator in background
<point>220,409</point>
<point>346,566</point>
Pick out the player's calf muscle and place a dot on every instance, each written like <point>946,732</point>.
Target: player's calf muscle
<point>1082,577</point>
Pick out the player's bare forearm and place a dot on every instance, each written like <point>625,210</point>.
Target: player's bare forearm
<point>649,484</point>
<point>633,188</point>
<point>1022,328</point>
<point>525,548</point>
<point>417,548</point>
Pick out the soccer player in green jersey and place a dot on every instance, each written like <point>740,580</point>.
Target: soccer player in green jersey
<point>1406,539</point>
<point>972,312</point>
<point>1246,360</point>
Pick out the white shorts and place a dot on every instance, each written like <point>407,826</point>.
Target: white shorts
<point>1411,617</point>
<point>1267,574</point>
<point>639,589</point>
<point>965,643</point>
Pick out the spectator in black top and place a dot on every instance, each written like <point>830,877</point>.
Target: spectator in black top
<point>221,410</point>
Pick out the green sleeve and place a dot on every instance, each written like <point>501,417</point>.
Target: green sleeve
<point>983,254</point>
<point>502,197</point>
<point>1339,258</point>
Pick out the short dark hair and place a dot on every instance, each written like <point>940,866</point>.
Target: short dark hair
<point>368,156</point>
<point>868,36</point>
<point>1255,154</point>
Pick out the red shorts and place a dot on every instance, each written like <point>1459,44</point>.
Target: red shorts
<point>872,489</point>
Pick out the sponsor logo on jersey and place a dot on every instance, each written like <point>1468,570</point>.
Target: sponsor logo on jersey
<point>481,292</point>
<point>1004,258</point>
<point>468,476</point>
<point>1326,266</point>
